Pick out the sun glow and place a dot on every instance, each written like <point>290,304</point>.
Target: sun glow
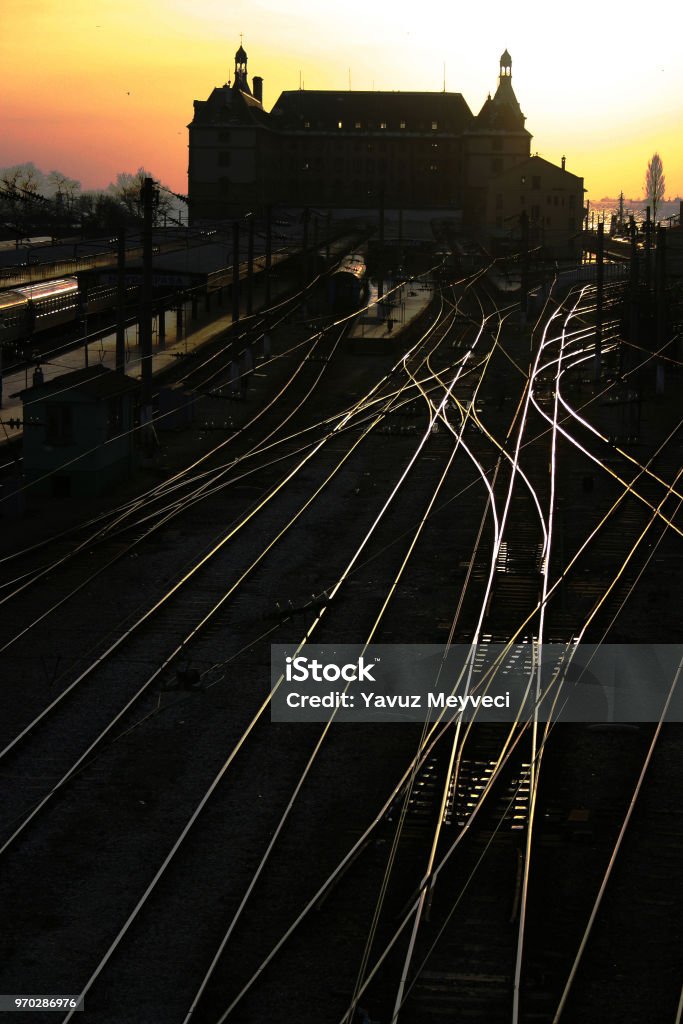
<point>93,89</point>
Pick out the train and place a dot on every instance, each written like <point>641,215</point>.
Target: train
<point>348,283</point>
<point>28,310</point>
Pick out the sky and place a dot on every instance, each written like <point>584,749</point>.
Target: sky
<point>95,87</point>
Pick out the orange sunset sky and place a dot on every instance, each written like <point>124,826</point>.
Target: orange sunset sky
<point>93,88</point>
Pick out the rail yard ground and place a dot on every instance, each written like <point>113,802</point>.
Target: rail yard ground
<point>156,819</point>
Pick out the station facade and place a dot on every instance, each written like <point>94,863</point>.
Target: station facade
<point>348,150</point>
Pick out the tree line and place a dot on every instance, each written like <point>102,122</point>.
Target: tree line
<point>52,203</point>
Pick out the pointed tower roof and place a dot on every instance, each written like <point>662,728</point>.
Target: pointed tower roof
<point>502,110</point>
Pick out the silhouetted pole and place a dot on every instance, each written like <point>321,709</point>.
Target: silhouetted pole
<point>524,284</point>
<point>328,232</point>
<point>380,281</point>
<point>648,250</point>
<point>269,251</point>
<point>235,271</point>
<point>146,318</point>
<point>600,296</point>
<point>304,247</point>
<point>121,299</point>
<point>250,264</point>
<point>660,298</point>
<point>633,284</point>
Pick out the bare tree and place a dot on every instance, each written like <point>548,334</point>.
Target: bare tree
<point>67,187</point>
<point>655,183</point>
<point>127,190</point>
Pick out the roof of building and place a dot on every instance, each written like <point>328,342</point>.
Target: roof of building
<point>324,109</point>
<point>94,382</point>
<point>502,111</point>
<point>534,164</point>
<point>228,104</point>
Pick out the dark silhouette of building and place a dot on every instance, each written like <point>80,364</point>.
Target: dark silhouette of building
<point>350,149</point>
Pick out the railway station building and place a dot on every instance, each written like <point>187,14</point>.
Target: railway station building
<point>347,149</point>
<point>551,197</point>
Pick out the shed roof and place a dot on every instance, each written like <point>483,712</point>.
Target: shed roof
<point>92,382</point>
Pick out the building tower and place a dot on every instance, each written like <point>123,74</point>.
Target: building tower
<point>505,65</point>
<point>240,80</point>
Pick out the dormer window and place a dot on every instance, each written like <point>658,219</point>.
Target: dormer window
<point>435,126</point>
<point>402,124</point>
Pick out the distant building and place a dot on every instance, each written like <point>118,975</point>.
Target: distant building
<point>349,149</point>
<point>78,431</point>
<point>550,196</point>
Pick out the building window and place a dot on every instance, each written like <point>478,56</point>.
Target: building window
<point>224,137</point>
<point>571,224</point>
<point>496,164</point>
<point>340,124</point>
<point>433,167</point>
<point>435,125</point>
<point>59,428</point>
<point>499,201</point>
<point>556,200</point>
<point>572,201</point>
<point>357,124</point>
<point>435,145</point>
<point>383,124</point>
<point>499,222</point>
<point>402,124</point>
<point>224,158</point>
<point>534,213</point>
<point>497,144</point>
<point>536,181</point>
<point>522,180</point>
<point>522,200</point>
<point>307,124</point>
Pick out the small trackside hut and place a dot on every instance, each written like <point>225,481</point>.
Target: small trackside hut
<point>78,431</point>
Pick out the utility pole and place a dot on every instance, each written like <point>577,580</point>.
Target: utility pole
<point>660,300</point>
<point>380,280</point>
<point>633,284</point>
<point>524,284</point>
<point>148,197</point>
<point>235,271</point>
<point>121,298</point>
<point>304,247</point>
<point>599,301</point>
<point>648,250</point>
<point>269,252</point>
<point>250,263</point>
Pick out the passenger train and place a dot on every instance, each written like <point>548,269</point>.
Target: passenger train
<point>38,307</point>
<point>347,283</point>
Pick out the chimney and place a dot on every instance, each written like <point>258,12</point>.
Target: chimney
<point>564,161</point>
<point>257,83</point>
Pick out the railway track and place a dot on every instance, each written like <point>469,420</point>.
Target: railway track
<point>214,817</point>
